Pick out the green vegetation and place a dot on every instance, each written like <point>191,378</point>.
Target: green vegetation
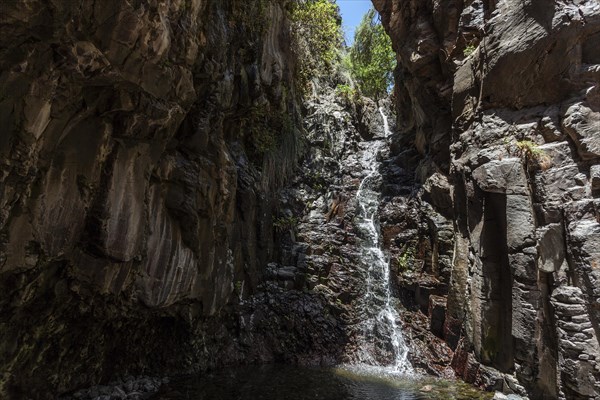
<point>317,181</point>
<point>533,155</point>
<point>347,92</point>
<point>239,285</point>
<point>372,59</point>
<point>250,21</point>
<point>265,129</point>
<point>530,148</point>
<point>283,224</point>
<point>469,50</point>
<point>406,259</point>
<point>317,37</point>
<point>318,42</point>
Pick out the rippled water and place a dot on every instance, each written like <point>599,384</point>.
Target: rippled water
<point>279,382</point>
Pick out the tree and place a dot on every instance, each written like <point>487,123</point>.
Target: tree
<point>317,36</point>
<point>372,58</point>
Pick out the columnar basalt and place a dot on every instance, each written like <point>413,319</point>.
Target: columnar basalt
<point>153,220</point>
<point>136,189</point>
<point>501,101</point>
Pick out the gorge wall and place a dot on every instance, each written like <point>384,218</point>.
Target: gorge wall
<point>153,218</point>
<point>499,107</point>
<point>142,146</point>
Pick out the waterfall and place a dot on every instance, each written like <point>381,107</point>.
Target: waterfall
<point>380,337</point>
<point>386,125</point>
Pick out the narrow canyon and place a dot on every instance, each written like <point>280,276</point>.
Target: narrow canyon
<point>182,192</point>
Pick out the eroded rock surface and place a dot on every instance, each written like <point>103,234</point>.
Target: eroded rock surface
<point>146,226</point>
<point>500,98</point>
<point>327,243</point>
<point>141,151</point>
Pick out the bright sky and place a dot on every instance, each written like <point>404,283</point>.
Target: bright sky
<point>352,13</point>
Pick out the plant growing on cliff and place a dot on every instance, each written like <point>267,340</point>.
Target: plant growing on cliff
<point>372,59</point>
<point>316,37</point>
<point>283,224</point>
<point>316,180</point>
<point>264,129</point>
<point>533,155</point>
<point>346,92</point>
<point>406,259</point>
<point>470,49</point>
<point>261,135</point>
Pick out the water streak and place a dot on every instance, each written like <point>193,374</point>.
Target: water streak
<point>386,125</point>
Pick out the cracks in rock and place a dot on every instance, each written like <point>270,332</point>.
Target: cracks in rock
<point>94,225</point>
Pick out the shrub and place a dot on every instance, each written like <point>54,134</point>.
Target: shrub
<point>533,155</point>
<point>406,259</point>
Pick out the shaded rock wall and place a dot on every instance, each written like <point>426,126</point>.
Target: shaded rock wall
<point>501,101</point>
<point>141,146</point>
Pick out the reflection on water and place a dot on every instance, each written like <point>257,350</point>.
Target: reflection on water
<point>278,382</point>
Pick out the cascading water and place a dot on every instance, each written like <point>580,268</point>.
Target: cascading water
<point>380,338</point>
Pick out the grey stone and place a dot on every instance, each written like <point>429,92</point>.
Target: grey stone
<point>132,194</point>
<point>118,393</point>
<point>472,16</point>
<point>595,177</point>
<point>581,121</point>
<point>437,314</point>
<point>130,385</point>
<point>520,221</point>
<point>551,247</point>
<point>505,176</point>
<point>523,266</point>
<point>512,103</point>
<point>438,193</point>
<point>580,179</point>
<point>134,202</point>
<point>287,273</point>
<point>550,125</point>
<point>576,339</point>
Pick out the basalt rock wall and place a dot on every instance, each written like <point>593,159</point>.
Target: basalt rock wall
<point>141,144</point>
<point>500,99</point>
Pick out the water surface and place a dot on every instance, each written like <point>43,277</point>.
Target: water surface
<point>281,382</point>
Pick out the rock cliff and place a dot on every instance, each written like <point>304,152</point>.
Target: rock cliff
<point>153,219</point>
<point>142,145</point>
<point>499,106</point>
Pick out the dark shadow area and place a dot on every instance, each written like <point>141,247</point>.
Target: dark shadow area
<point>546,384</point>
<point>276,382</point>
<point>591,50</point>
<point>542,11</point>
<point>496,319</point>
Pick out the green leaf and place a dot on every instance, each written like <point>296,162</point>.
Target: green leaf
<point>372,58</point>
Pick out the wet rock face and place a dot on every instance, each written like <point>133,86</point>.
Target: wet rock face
<point>511,89</point>
<point>324,244</point>
<point>135,195</point>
